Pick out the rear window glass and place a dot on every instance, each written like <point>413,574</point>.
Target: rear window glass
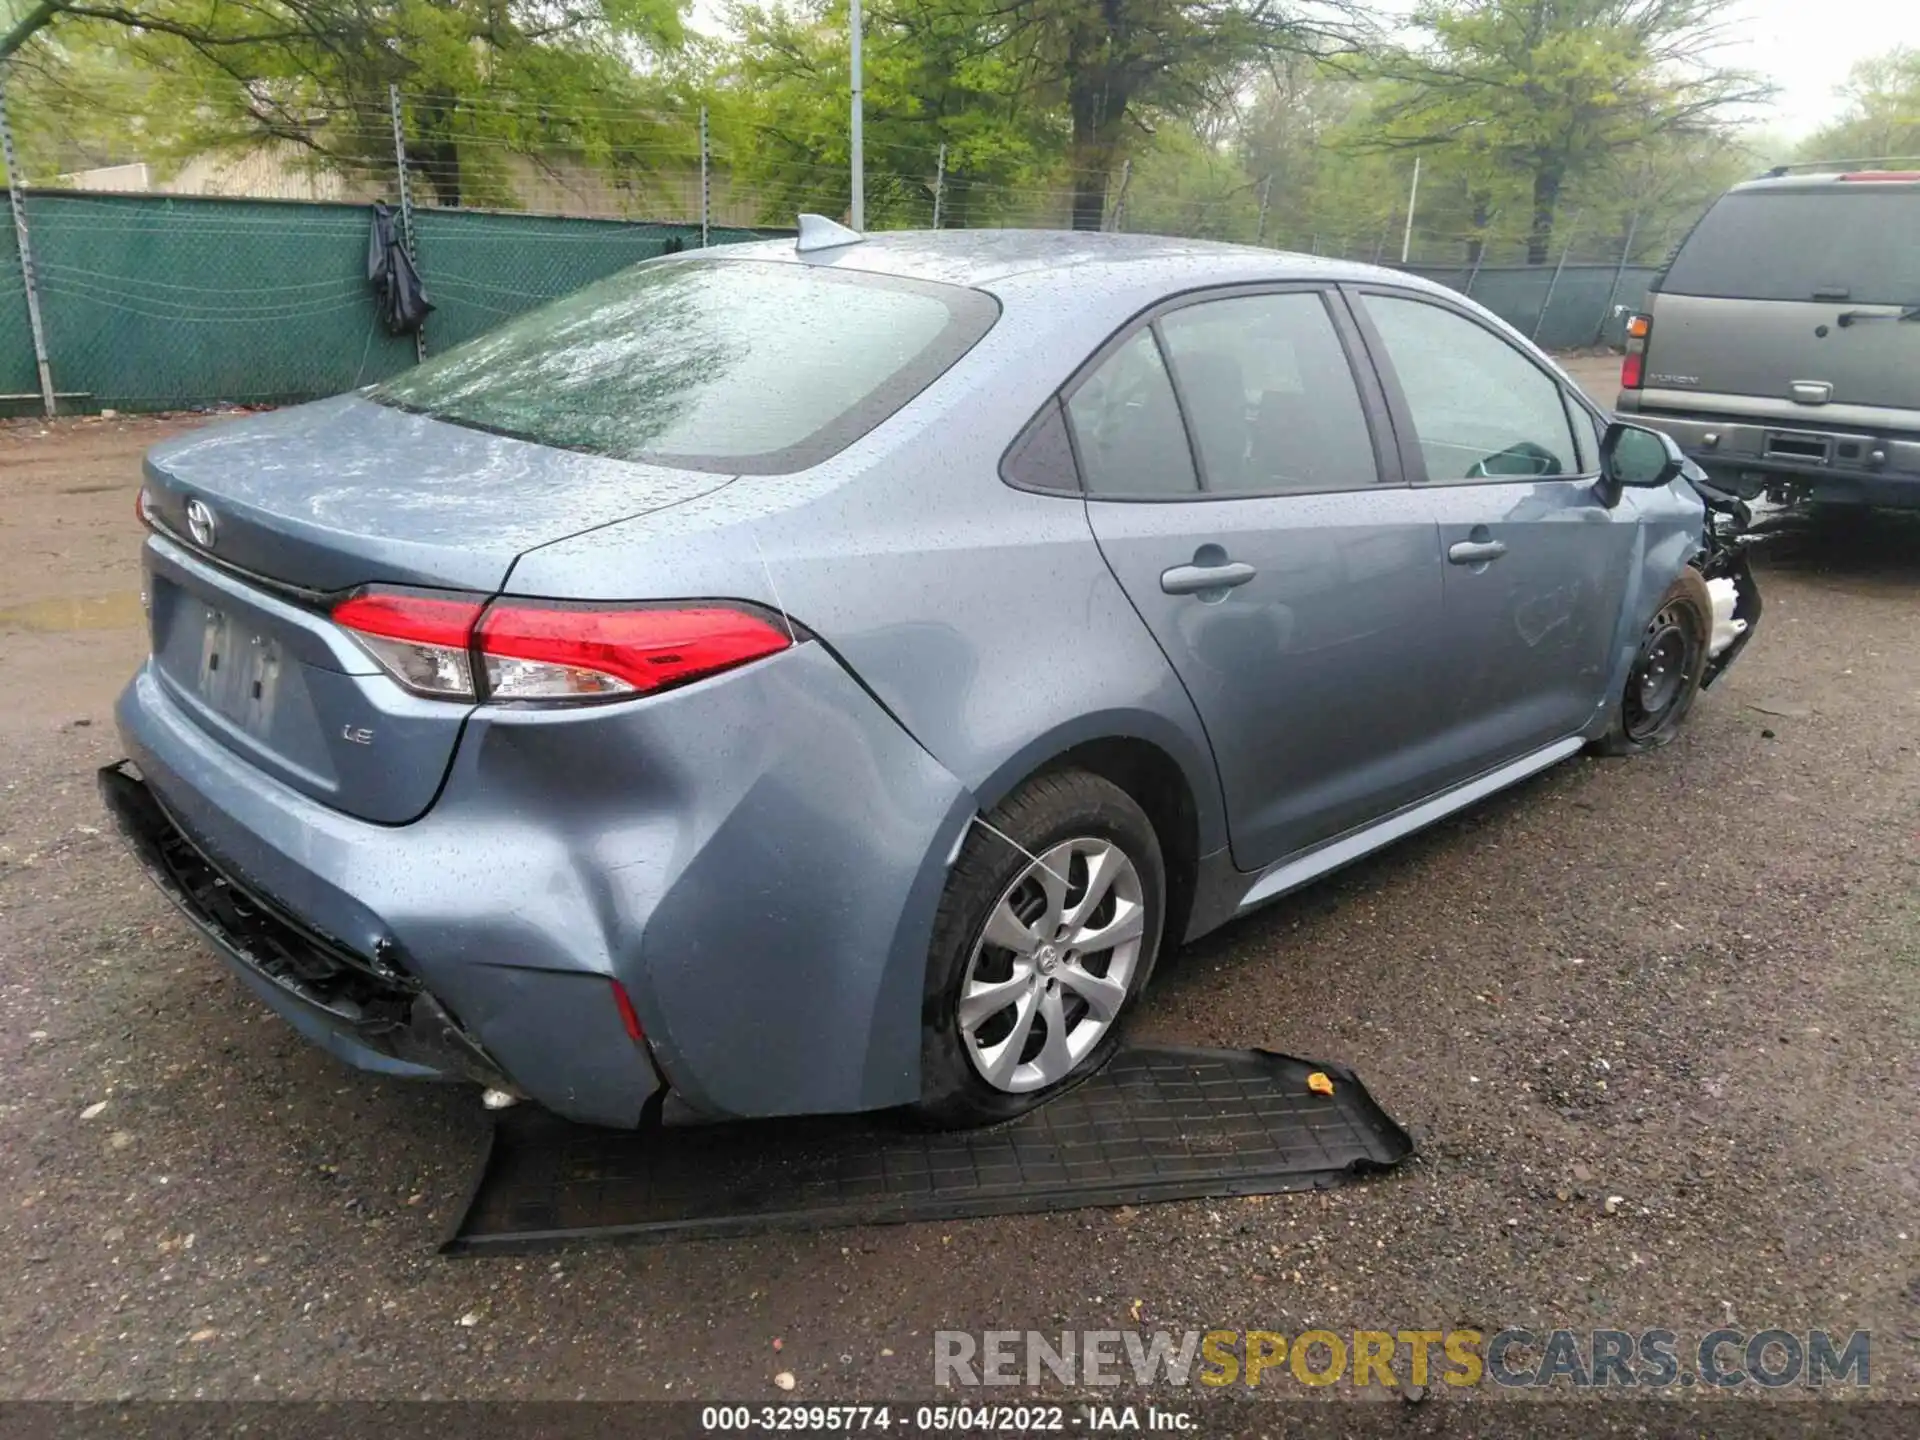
<point>742,366</point>
<point>1843,242</point>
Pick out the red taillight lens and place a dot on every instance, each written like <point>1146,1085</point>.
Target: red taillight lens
<point>419,618</point>
<point>1633,365</point>
<point>551,653</point>
<point>420,640</point>
<point>568,653</point>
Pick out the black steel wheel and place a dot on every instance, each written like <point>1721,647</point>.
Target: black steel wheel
<point>1666,671</point>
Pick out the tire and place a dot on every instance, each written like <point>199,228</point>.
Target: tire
<point>1069,819</point>
<point>1666,673</point>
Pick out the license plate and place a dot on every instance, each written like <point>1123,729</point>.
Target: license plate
<point>239,670</point>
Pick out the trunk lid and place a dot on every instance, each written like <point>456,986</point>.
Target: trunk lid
<point>308,503</point>
<point>345,492</point>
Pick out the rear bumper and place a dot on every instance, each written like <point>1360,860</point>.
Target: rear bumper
<point>1837,465</point>
<point>360,1008</point>
<point>757,858</point>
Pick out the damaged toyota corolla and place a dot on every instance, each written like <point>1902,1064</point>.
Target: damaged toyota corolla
<point>828,675</point>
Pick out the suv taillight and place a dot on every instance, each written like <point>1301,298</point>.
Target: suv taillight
<point>555,653</point>
<point>1633,364</point>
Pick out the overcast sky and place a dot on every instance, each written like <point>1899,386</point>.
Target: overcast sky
<point>1804,46</point>
<point>1807,46</point>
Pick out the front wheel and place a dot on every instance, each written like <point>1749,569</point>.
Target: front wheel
<point>1667,670</point>
<point>1048,930</point>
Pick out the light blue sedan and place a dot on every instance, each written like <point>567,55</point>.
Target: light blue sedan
<point>828,676</point>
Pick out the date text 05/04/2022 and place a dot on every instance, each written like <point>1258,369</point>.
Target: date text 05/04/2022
<point>1040,1419</point>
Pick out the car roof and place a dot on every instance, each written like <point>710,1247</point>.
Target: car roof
<point>1072,259</point>
<point>1863,179</point>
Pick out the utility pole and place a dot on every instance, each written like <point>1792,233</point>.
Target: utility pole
<point>939,183</point>
<point>859,216</point>
<point>1413,198</point>
<point>706,189</point>
<point>19,203</point>
<point>1266,194</point>
<point>1120,200</point>
<point>406,210</point>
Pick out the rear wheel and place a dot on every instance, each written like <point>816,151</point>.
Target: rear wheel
<point>1667,670</point>
<point>1047,932</point>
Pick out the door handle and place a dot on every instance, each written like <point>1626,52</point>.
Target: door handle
<point>1199,579</point>
<point>1475,552</point>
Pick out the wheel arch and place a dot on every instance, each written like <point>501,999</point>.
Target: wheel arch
<point>1184,808</point>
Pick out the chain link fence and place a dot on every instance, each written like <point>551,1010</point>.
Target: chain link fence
<point>169,300</point>
<point>18,376</point>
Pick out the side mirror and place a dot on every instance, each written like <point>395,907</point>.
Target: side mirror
<point>1632,455</point>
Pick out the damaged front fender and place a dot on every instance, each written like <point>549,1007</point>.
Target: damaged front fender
<point>1723,556</point>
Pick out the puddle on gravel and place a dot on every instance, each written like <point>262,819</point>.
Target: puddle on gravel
<point>118,611</point>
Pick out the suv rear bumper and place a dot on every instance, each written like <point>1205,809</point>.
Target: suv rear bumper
<point>1828,464</point>
<point>757,858</point>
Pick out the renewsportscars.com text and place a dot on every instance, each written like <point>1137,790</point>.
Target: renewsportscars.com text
<point>1392,1359</point>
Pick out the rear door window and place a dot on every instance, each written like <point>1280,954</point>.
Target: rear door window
<point>1848,241</point>
<point>1127,429</point>
<point>1269,394</point>
<point>741,366</point>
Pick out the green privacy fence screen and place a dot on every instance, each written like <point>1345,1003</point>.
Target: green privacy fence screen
<point>1585,305</point>
<point>17,373</point>
<point>157,302</point>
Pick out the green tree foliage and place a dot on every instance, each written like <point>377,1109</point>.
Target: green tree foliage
<point>1882,118</point>
<point>1090,80</point>
<point>485,79</point>
<point>1556,91</point>
<point>782,103</point>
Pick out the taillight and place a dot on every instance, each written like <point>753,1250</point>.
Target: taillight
<point>1633,364</point>
<point>550,652</point>
<point>537,652</point>
<point>423,641</point>
<point>142,505</point>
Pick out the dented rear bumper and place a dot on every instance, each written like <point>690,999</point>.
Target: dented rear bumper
<point>365,1009</point>
<point>756,859</point>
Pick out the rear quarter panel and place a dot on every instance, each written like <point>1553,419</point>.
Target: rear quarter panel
<point>982,617</point>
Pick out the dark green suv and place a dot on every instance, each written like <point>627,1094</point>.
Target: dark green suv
<point>1781,347</point>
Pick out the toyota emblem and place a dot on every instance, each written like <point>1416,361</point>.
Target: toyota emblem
<point>201,524</point>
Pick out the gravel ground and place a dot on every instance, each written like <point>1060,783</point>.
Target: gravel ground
<point>1691,981</point>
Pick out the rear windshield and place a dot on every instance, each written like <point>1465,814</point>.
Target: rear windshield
<point>1848,241</point>
<point>742,366</point>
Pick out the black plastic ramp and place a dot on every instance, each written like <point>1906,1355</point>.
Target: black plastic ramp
<point>1155,1124</point>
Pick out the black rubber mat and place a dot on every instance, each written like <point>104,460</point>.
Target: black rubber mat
<point>1155,1124</point>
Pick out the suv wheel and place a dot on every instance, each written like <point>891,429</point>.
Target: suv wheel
<point>1040,946</point>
